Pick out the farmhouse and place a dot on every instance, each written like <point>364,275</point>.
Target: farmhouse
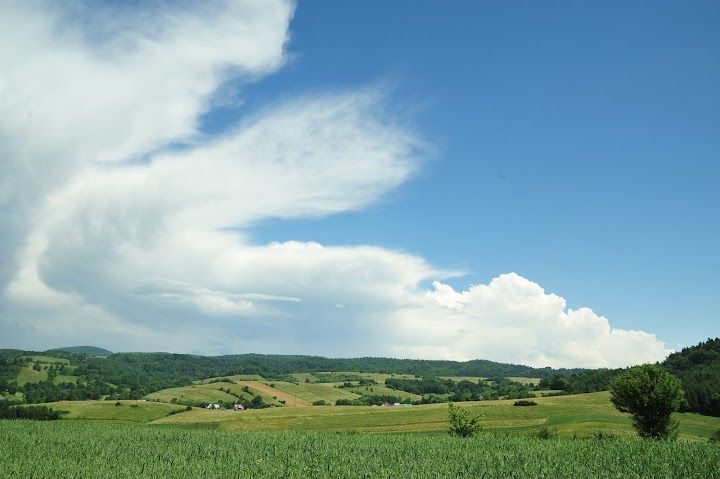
<point>238,407</point>
<point>213,406</point>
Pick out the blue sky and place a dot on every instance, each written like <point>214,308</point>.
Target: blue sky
<point>574,144</point>
<point>577,144</point>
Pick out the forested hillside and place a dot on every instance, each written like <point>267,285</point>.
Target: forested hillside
<point>699,369</point>
<point>89,350</point>
<point>133,375</point>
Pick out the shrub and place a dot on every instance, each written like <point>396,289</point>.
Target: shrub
<point>319,402</point>
<point>602,435</point>
<point>118,403</point>
<point>546,432</point>
<point>524,402</point>
<point>715,437</point>
<point>188,408</point>
<point>462,422</point>
<point>343,402</point>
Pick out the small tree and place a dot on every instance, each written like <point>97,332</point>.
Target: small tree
<point>256,402</point>
<point>462,422</point>
<point>650,394</point>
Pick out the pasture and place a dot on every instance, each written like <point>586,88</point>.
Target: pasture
<point>129,411</point>
<point>77,449</point>
<point>581,414</point>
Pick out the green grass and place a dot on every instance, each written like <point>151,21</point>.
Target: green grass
<point>532,381</point>
<point>378,389</point>
<point>47,359</point>
<point>302,377</point>
<point>77,449</point>
<point>311,392</point>
<point>569,415</point>
<point>208,393</point>
<point>128,411</point>
<point>60,378</point>
<point>28,375</point>
<point>212,393</point>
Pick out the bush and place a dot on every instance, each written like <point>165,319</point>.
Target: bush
<point>524,402</point>
<point>602,435</point>
<point>188,408</point>
<point>319,402</point>
<point>343,402</point>
<point>546,433</point>
<point>462,422</point>
<point>715,437</point>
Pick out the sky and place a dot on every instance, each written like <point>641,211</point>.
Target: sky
<point>526,182</point>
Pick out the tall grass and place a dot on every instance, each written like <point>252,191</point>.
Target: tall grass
<point>79,449</point>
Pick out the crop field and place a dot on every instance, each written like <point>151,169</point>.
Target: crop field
<point>78,449</point>
<point>381,389</point>
<point>128,411</point>
<point>201,392</point>
<point>311,392</point>
<point>581,414</point>
<point>306,391</point>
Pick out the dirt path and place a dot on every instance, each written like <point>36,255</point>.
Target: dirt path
<point>265,390</point>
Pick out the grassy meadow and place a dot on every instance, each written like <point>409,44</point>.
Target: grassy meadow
<point>581,414</point>
<point>141,412</point>
<point>78,449</point>
<point>568,416</point>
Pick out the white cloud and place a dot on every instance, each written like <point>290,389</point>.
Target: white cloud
<point>513,319</point>
<point>157,254</point>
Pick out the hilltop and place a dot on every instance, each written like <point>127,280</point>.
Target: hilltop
<point>89,350</point>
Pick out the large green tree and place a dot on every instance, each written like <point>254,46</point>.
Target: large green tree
<point>650,394</point>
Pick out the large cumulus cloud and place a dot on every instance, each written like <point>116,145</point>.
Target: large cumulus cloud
<point>124,226</point>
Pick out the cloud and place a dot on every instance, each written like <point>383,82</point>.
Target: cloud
<point>513,319</point>
<point>126,227</point>
<point>206,300</point>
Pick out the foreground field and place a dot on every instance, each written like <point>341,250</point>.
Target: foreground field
<point>582,414</point>
<point>78,449</point>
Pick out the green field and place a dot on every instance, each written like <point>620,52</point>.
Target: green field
<point>381,389</point>
<point>581,414</point>
<point>311,392</point>
<point>213,392</point>
<point>128,411</point>
<point>46,359</point>
<point>78,449</point>
<point>28,375</point>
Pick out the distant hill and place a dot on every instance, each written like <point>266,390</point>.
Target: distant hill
<point>89,350</point>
